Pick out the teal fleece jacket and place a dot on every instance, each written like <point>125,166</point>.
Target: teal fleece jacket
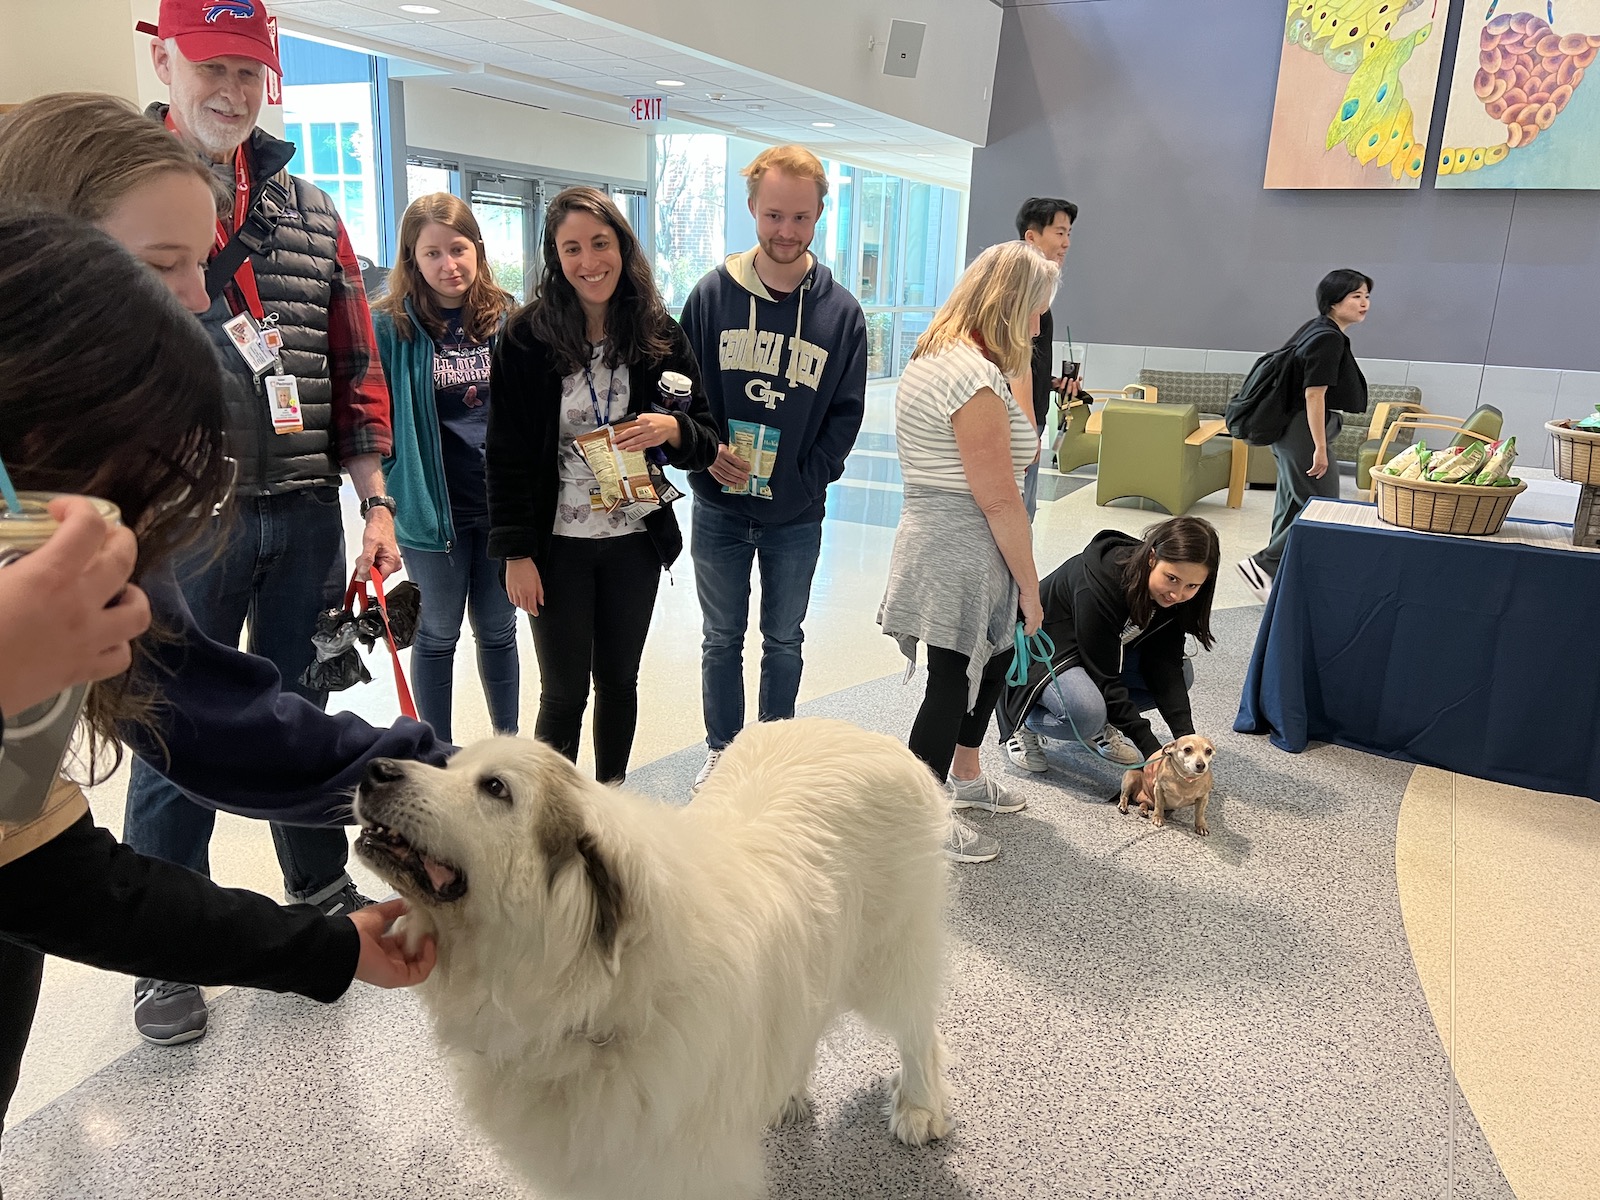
<point>414,472</point>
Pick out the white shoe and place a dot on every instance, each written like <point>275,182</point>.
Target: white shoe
<point>705,772</point>
<point>1257,580</point>
<point>966,844</point>
<point>1026,750</point>
<point>983,792</point>
<point>1113,746</point>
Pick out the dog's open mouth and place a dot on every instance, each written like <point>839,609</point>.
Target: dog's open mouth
<point>390,853</point>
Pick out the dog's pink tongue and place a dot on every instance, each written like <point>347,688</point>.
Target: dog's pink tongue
<point>439,875</point>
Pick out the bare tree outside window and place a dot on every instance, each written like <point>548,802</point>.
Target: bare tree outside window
<point>691,192</point>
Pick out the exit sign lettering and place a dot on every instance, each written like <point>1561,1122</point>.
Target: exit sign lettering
<point>648,108</point>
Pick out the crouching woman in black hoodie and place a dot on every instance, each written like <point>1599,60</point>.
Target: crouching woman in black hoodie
<point>1117,614</point>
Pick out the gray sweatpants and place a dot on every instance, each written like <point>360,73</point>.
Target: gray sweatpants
<point>1294,452</point>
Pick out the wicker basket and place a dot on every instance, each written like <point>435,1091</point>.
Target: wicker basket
<point>1442,507</point>
<point>1577,452</point>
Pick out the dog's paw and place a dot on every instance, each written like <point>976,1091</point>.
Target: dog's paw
<point>1157,819</point>
<point>796,1110</point>
<point>916,1126</point>
<point>1202,829</point>
<point>412,929</point>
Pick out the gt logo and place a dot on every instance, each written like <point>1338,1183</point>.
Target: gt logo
<point>760,390</point>
<point>239,9</point>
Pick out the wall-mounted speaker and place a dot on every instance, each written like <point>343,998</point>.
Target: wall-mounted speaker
<point>905,48</point>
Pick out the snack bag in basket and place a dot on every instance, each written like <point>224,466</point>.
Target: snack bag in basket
<point>1404,459</point>
<point>1465,463</point>
<point>1419,465</point>
<point>1499,464</point>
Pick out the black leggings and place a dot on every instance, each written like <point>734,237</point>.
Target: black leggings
<point>21,971</point>
<point>943,722</point>
<point>598,597</point>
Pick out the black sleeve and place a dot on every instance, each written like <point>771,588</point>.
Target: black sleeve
<point>522,473</point>
<point>697,428</point>
<point>1161,665</point>
<point>1044,348</point>
<point>1320,358</point>
<point>1100,654</point>
<point>86,897</point>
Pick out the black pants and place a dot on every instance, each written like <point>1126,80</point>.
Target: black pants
<point>944,722</point>
<point>21,972</point>
<point>598,597</point>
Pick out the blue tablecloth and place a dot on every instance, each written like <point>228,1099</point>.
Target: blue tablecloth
<point>1475,656</point>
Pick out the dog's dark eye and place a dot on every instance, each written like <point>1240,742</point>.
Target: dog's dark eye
<point>496,787</point>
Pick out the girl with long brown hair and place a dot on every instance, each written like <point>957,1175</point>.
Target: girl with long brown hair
<point>436,328</point>
<point>588,352</point>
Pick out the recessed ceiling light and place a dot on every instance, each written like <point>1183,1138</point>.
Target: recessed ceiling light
<point>669,83</point>
<point>421,10</point>
<point>822,124</point>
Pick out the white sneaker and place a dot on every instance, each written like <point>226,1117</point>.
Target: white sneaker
<point>705,772</point>
<point>966,844</point>
<point>1113,746</point>
<point>1026,750</point>
<point>1257,580</point>
<point>983,793</point>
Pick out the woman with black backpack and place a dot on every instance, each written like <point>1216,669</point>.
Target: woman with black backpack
<point>1330,381</point>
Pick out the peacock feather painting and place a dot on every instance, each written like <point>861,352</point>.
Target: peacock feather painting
<point>1356,90</point>
<point>1522,112</point>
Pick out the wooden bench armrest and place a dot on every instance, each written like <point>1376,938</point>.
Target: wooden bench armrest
<point>1380,416</point>
<point>1435,421</point>
<point>1207,431</point>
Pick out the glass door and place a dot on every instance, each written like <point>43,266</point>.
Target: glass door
<point>505,208</point>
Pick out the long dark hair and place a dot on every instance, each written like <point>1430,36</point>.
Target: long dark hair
<point>109,388</point>
<point>485,303</point>
<point>636,320</point>
<point>1178,540</point>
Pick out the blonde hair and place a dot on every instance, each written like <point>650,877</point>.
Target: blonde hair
<point>80,153</point>
<point>995,299</point>
<point>485,304</point>
<point>791,160</point>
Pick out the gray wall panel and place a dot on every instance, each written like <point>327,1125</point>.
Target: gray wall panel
<point>1153,116</point>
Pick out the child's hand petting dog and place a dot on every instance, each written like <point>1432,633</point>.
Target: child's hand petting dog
<point>391,958</point>
<point>1178,775</point>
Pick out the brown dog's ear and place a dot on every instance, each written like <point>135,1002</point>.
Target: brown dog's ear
<point>563,838</point>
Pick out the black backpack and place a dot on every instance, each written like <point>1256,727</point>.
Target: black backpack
<point>1266,400</point>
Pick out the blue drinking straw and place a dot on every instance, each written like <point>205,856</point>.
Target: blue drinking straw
<point>13,503</point>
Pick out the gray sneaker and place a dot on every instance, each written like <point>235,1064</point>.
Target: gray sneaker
<point>965,844</point>
<point>168,1014</point>
<point>705,772</point>
<point>1114,747</point>
<point>983,792</point>
<point>1026,750</point>
<point>340,903</point>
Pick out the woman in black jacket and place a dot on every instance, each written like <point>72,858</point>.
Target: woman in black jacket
<point>1328,381</point>
<point>1118,614</point>
<point>589,351</point>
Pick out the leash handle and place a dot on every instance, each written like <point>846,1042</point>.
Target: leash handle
<point>1041,648</point>
<point>408,707</point>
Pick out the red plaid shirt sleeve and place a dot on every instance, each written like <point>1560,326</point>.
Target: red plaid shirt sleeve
<point>360,396</point>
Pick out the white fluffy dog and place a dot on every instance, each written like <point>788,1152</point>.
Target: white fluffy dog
<point>630,992</point>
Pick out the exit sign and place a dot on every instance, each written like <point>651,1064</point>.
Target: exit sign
<point>648,108</point>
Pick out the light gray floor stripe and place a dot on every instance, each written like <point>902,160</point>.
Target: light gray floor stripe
<point>1138,1013</point>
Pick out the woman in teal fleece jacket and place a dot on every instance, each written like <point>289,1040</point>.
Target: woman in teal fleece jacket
<point>436,330</point>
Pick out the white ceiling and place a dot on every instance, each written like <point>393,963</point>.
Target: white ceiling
<point>519,50</point>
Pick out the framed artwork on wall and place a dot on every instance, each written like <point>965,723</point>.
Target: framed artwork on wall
<point>1357,82</point>
<point>1522,111</point>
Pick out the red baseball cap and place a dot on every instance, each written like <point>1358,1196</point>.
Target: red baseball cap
<point>207,29</point>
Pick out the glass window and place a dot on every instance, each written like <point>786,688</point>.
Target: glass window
<point>503,205</point>
<point>352,144</point>
<point>880,344</point>
<point>691,196</point>
<point>424,179</point>
<point>880,236</point>
<point>324,149</point>
<point>296,133</point>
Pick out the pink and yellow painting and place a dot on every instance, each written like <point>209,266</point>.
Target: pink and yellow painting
<point>1522,114</point>
<point>1356,90</point>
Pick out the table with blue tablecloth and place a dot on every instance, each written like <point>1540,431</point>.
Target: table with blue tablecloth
<point>1477,655</point>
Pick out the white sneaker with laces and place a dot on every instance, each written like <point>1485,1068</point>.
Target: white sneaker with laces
<point>983,792</point>
<point>1113,746</point>
<point>705,772</point>
<point>1026,750</point>
<point>966,844</point>
<point>1257,580</point>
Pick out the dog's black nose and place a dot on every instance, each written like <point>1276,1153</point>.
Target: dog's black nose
<point>384,770</point>
<point>1201,764</point>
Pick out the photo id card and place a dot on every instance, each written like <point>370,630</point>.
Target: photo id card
<point>283,402</point>
<point>246,338</point>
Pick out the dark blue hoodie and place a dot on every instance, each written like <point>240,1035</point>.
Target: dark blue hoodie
<point>798,365</point>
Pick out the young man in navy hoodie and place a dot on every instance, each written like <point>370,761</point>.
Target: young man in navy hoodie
<point>783,349</point>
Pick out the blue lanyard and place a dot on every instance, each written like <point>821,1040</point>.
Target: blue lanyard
<point>594,398</point>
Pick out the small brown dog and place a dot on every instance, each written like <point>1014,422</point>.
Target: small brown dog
<point>1176,777</point>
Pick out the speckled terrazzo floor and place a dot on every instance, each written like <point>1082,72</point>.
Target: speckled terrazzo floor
<point>1138,1013</point>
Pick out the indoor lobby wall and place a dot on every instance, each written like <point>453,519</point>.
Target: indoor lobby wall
<point>1155,119</point>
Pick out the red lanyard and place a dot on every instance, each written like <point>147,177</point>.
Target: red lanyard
<point>245,276</point>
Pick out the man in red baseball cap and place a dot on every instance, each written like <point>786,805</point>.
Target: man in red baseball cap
<point>213,56</point>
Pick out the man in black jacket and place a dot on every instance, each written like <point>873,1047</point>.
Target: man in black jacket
<point>287,302</point>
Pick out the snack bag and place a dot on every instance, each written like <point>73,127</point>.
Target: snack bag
<point>1591,423</point>
<point>1442,460</point>
<point>624,476</point>
<point>1499,465</point>
<point>1419,465</point>
<point>1404,459</point>
<point>1463,465</point>
<point>758,446</point>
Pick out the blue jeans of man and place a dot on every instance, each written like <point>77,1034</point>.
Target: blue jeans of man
<point>459,582</point>
<point>281,562</point>
<point>724,546</point>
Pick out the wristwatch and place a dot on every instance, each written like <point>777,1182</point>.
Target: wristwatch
<point>372,502</point>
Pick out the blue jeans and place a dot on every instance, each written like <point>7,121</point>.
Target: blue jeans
<point>723,547</point>
<point>1086,705</point>
<point>280,563</point>
<point>450,581</point>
